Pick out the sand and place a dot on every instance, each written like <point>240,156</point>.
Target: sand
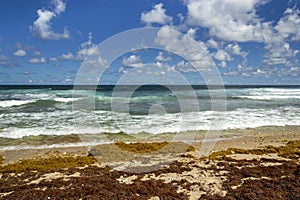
<point>270,173</point>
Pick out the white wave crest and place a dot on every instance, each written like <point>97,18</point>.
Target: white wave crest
<point>10,103</point>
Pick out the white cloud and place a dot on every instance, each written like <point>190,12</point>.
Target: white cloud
<point>68,56</point>
<point>162,58</point>
<point>95,64</point>
<point>289,24</point>
<point>87,48</point>
<point>181,18</point>
<point>90,69</point>
<point>151,72</point>
<point>68,79</point>
<point>156,15</point>
<point>54,59</point>
<point>260,72</point>
<point>226,51</point>
<point>250,71</point>
<point>20,53</point>
<point>133,61</point>
<point>222,55</point>
<point>266,71</point>
<point>191,33</point>
<point>37,60</point>
<point>185,46</point>
<point>37,53</point>
<point>90,55</point>
<point>293,71</point>
<point>152,69</point>
<point>231,20</point>
<point>235,49</point>
<point>42,26</point>
<point>4,58</point>
<point>159,64</point>
<point>280,54</point>
<point>59,5</point>
<point>183,66</point>
<point>213,43</point>
<point>223,64</point>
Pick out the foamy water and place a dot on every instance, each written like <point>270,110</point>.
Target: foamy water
<point>57,111</point>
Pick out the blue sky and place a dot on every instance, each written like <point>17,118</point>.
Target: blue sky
<point>249,42</point>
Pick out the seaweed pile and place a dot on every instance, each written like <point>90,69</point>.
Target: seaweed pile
<point>222,175</point>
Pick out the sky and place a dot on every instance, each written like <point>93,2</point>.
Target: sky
<point>245,42</point>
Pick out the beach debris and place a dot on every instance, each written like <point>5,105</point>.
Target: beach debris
<point>225,176</point>
<point>1,159</point>
<point>127,180</point>
<point>50,163</point>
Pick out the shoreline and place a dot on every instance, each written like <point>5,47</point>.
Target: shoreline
<point>73,140</point>
<point>235,138</point>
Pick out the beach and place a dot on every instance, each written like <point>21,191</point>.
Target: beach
<point>261,163</point>
<point>150,100</point>
<point>237,142</point>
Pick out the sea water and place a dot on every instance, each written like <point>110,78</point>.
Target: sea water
<point>54,110</point>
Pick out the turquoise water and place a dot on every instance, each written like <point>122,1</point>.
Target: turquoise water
<point>60,110</point>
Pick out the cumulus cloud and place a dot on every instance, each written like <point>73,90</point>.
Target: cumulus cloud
<point>235,49</point>
<point>280,54</point>
<point>68,56</point>
<point>20,53</point>
<point>212,43</point>
<point>59,5</point>
<point>232,20</point>
<point>90,55</point>
<point>132,61</point>
<point>162,58</point>
<point>226,51</point>
<point>289,24</point>
<point>42,26</point>
<point>68,79</point>
<point>156,15</point>
<point>37,60</point>
<point>183,66</point>
<point>87,48</point>
<point>222,55</point>
<point>185,46</point>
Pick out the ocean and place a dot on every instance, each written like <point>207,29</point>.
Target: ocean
<point>60,110</point>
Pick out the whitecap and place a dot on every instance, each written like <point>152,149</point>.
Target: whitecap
<point>10,103</point>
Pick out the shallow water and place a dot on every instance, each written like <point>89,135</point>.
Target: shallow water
<point>60,110</point>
